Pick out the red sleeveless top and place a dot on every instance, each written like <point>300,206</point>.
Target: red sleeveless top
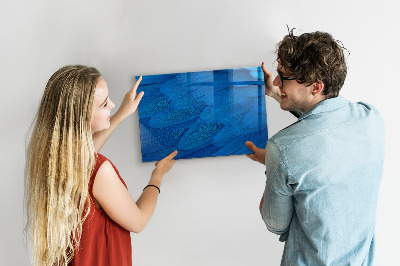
<point>103,241</point>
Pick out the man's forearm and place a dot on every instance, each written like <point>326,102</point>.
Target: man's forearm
<point>276,96</point>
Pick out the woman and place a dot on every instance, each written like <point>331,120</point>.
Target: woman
<point>78,207</point>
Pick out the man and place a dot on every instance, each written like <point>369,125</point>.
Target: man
<point>323,171</point>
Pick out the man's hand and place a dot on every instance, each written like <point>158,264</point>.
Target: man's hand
<point>270,89</point>
<point>258,155</point>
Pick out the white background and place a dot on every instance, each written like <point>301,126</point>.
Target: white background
<point>208,208</point>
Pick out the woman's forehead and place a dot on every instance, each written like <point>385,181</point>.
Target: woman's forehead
<point>101,91</point>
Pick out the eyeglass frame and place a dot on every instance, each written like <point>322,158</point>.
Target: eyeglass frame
<point>282,78</point>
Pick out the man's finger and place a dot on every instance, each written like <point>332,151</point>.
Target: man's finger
<point>251,156</point>
<point>265,69</point>
<point>251,146</point>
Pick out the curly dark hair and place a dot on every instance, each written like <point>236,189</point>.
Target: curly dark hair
<point>314,57</point>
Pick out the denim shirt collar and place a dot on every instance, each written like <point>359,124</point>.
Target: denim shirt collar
<point>325,106</point>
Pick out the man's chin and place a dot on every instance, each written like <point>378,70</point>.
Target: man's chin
<point>284,108</point>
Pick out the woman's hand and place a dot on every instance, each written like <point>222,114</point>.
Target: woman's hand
<point>163,166</point>
<point>270,89</point>
<point>131,101</point>
<point>128,106</point>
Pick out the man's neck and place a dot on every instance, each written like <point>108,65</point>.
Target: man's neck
<point>316,100</point>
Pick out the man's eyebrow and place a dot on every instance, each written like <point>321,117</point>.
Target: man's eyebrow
<point>283,74</point>
<point>279,72</point>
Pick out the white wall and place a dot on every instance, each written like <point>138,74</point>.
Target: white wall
<point>208,208</point>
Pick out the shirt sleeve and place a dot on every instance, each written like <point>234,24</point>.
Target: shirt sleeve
<point>277,209</point>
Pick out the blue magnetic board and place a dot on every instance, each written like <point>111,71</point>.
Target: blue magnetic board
<point>202,114</point>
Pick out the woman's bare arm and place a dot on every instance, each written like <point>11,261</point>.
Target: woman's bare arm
<point>119,205</point>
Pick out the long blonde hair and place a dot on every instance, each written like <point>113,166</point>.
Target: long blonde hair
<point>59,161</point>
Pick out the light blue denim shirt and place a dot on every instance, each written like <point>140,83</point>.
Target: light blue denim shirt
<point>323,176</point>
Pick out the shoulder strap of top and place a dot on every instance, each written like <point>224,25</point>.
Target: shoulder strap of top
<point>100,159</point>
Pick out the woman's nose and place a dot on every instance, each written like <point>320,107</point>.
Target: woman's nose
<point>112,104</point>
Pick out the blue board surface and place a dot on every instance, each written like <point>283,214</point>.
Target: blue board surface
<point>202,114</point>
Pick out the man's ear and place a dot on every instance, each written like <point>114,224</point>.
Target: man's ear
<point>317,88</point>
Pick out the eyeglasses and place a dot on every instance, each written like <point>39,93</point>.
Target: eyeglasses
<point>282,78</point>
